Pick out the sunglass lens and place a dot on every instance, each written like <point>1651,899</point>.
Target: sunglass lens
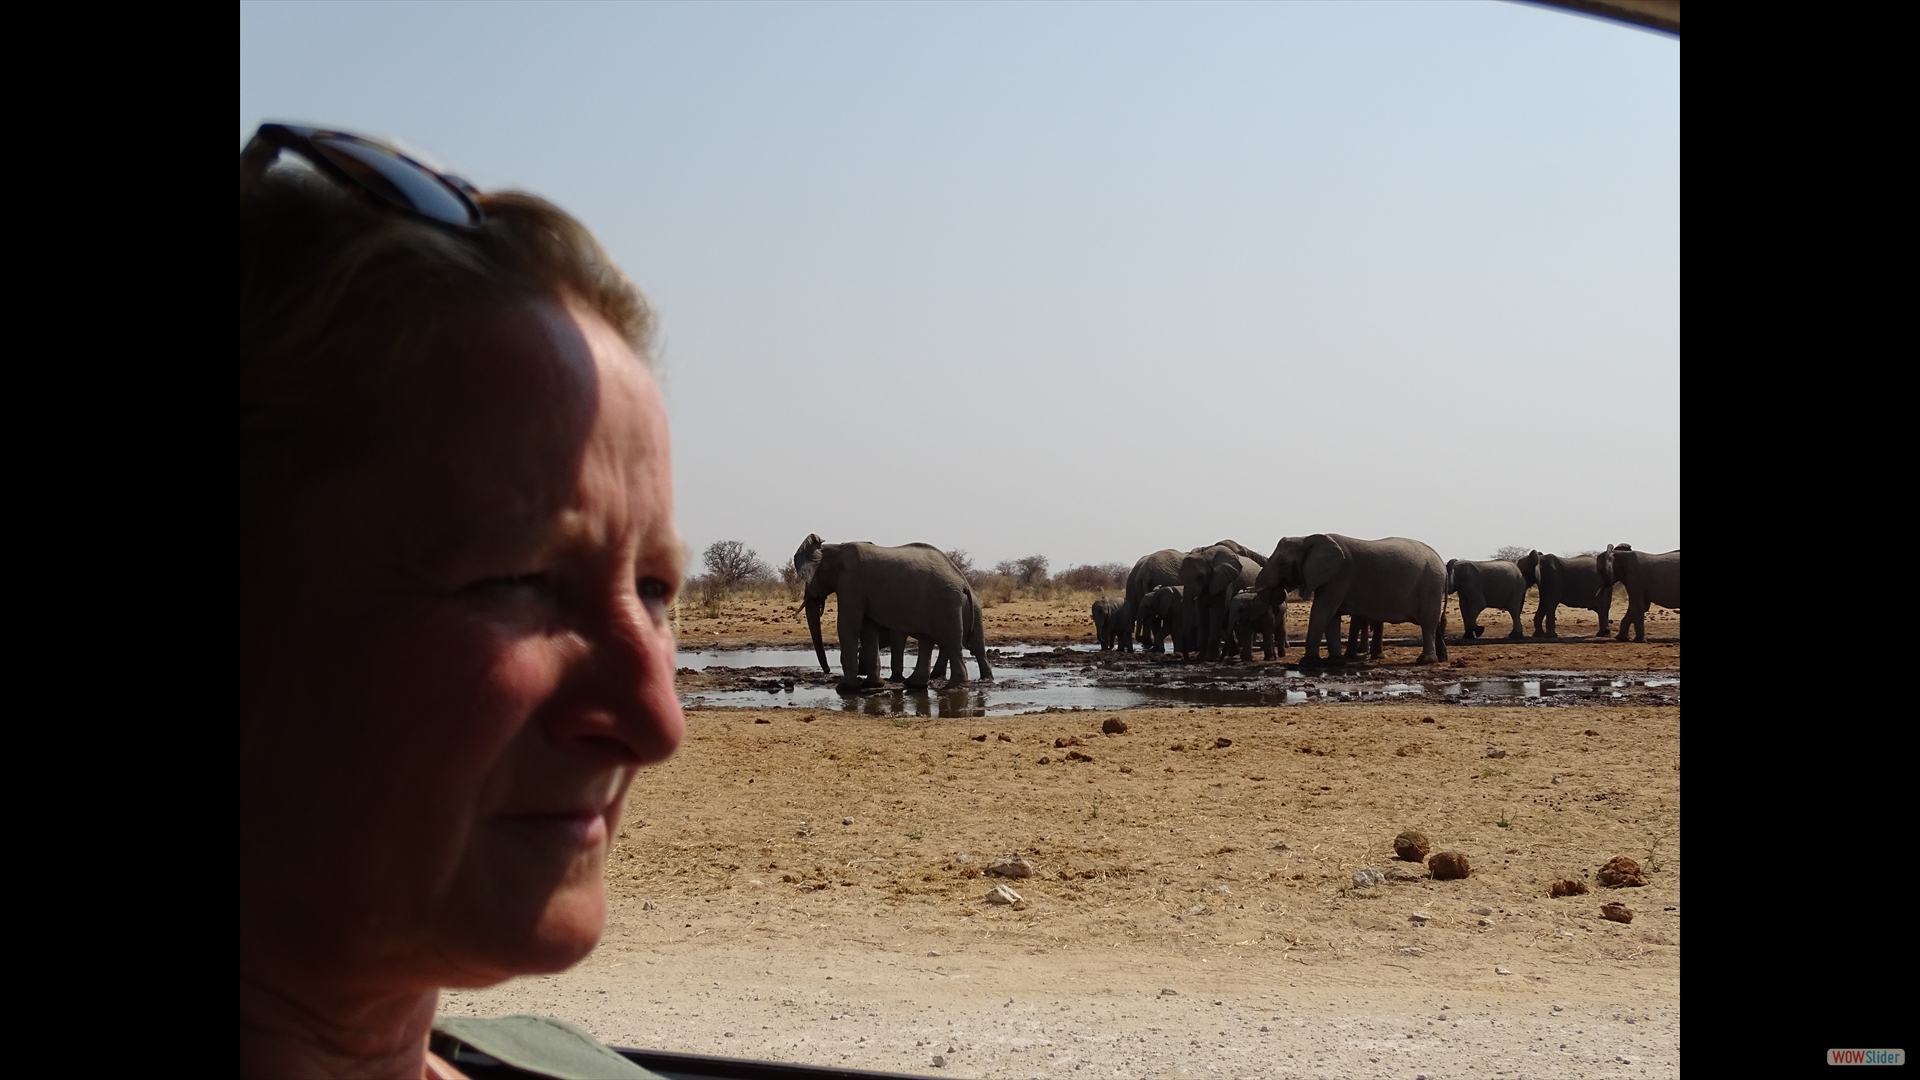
<point>398,181</point>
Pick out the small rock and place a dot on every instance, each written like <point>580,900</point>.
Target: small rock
<point>1068,740</point>
<point>1480,911</point>
<point>1222,743</point>
<point>1367,878</point>
<point>648,906</point>
<point>1501,971</point>
<point>1616,912</point>
<point>1169,992</point>
<point>1178,746</point>
<point>1622,873</point>
<point>1413,950</point>
<point>978,738</point>
<point>939,1061</point>
<point>1670,907</point>
<point>1126,768</point>
<point>1044,760</point>
<point>1281,845</point>
<point>1624,1059</point>
<point>1556,778</point>
<point>1221,890</point>
<point>963,858</point>
<point>1012,866</point>
<point>933,954</point>
<point>1563,932</point>
<point>761,720</point>
<point>1567,887</point>
<point>1113,725</point>
<point>1496,753</point>
<point>1486,922</point>
<point>1197,909</point>
<point>1449,866</point>
<point>1075,755</point>
<point>1004,737</point>
<point>808,719</point>
<point>1590,731</point>
<point>1000,894</point>
<point>846,821</point>
<point>1420,918</point>
<point>1412,846</point>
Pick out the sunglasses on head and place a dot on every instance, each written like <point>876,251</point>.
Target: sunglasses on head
<point>377,172</point>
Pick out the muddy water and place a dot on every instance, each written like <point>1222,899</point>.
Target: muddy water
<point>1049,679</point>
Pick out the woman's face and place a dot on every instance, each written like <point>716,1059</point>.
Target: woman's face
<point>455,659</point>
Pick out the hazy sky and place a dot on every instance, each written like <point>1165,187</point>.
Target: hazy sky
<point>1089,280</point>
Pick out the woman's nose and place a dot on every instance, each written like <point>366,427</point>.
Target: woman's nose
<point>630,706</point>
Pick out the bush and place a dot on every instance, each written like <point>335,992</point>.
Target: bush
<point>1511,553</point>
<point>1107,577</point>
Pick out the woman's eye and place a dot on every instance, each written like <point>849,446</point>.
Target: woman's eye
<point>654,589</point>
<point>511,583</point>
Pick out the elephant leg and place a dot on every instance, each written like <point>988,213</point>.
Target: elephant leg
<point>1317,628</point>
<point>1469,617</point>
<point>1373,632</point>
<point>924,646</point>
<point>1433,638</point>
<point>1605,611</point>
<point>1552,612</point>
<point>1515,634</point>
<point>899,652</point>
<point>859,647</point>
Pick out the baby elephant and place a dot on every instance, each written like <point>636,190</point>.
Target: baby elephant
<point>1107,615</point>
<point>1253,612</point>
<point>1496,583</point>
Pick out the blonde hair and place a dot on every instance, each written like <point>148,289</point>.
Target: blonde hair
<point>338,296</point>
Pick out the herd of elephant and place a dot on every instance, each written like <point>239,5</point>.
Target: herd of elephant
<point>1218,599</point>
<point>1222,598</point>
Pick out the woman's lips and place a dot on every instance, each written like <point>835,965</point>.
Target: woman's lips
<point>584,828</point>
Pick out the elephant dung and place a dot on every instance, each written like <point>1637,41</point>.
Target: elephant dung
<point>1113,725</point>
<point>1075,755</point>
<point>1069,740</point>
<point>1449,866</point>
<point>1412,846</point>
<point>1012,866</point>
<point>1621,873</point>
<point>1000,894</point>
<point>1567,887</point>
<point>1222,743</point>
<point>1616,912</point>
<point>1004,737</point>
<point>978,738</point>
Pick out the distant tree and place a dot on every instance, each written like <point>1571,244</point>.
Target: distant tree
<point>964,563</point>
<point>790,578</point>
<point>1031,571</point>
<point>1512,553</point>
<point>731,564</point>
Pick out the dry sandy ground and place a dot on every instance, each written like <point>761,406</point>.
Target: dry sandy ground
<point>749,919</point>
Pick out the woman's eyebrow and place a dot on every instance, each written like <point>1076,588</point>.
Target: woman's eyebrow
<point>666,549</point>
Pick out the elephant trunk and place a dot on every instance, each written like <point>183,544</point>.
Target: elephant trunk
<point>814,610</point>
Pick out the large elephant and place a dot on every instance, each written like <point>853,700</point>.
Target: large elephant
<point>1499,584</point>
<point>1110,616</point>
<point>912,590</point>
<point>1580,581</point>
<point>1149,573</point>
<point>1251,612</point>
<point>1210,577</point>
<point>1649,578</point>
<point>1162,613</point>
<point>1392,580</point>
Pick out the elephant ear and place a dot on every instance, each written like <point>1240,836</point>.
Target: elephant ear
<point>1530,568</point>
<point>807,553</point>
<point>1324,560</point>
<point>1451,563</point>
<point>820,572</point>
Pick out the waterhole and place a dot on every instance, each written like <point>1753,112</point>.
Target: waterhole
<point>1042,678</point>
